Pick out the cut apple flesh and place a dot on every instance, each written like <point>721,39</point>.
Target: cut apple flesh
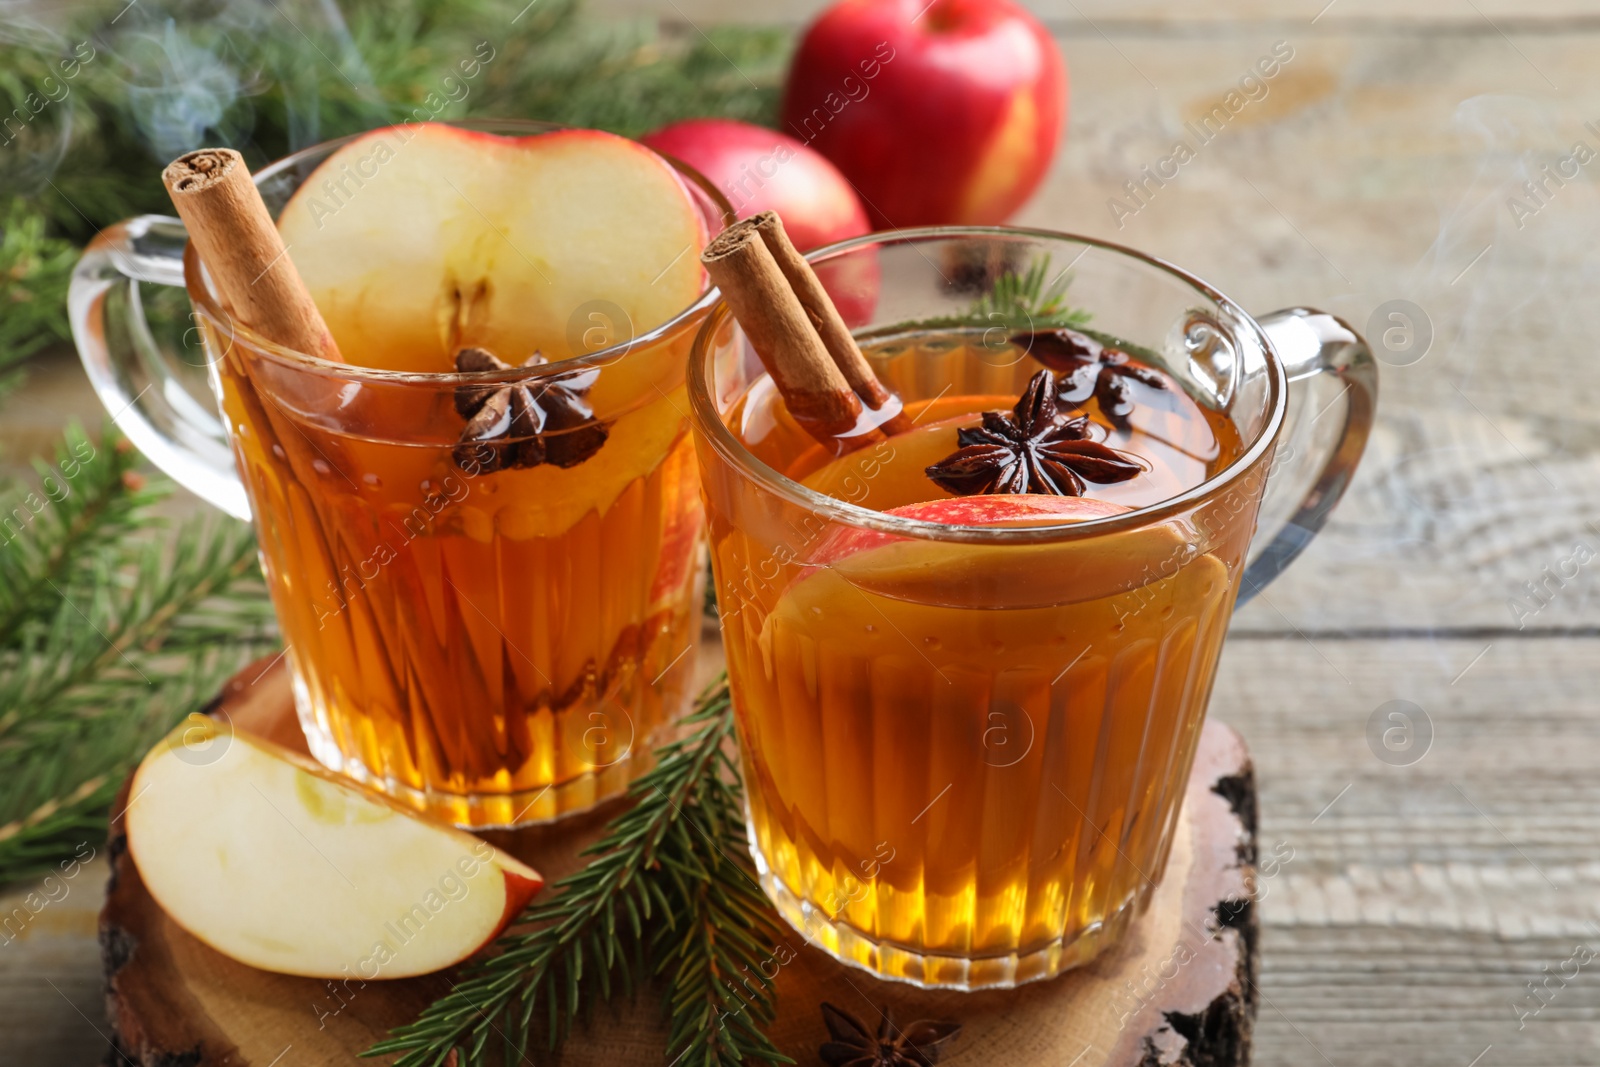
<point>275,862</point>
<point>417,240</point>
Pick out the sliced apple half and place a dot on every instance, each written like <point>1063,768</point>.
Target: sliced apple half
<point>417,240</point>
<point>274,861</point>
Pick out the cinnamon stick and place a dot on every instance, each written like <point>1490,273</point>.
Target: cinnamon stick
<point>828,323</point>
<point>228,222</point>
<point>773,319</point>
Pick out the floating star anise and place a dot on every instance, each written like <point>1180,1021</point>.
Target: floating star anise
<point>1090,368</point>
<point>1029,449</point>
<point>919,1044</point>
<point>524,424</point>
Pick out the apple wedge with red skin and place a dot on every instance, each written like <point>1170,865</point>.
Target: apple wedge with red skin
<point>280,864</point>
<point>1001,509</point>
<point>1017,574</point>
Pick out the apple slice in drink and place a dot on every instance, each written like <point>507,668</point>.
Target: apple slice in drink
<point>1000,509</point>
<point>417,240</point>
<point>1015,575</point>
<point>279,864</point>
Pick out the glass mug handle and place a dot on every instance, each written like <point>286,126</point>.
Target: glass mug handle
<point>1329,367</point>
<point>159,394</point>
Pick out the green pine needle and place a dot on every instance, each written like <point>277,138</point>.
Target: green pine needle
<point>112,628</point>
<point>34,271</point>
<point>79,506</point>
<point>668,893</point>
<point>1032,299</point>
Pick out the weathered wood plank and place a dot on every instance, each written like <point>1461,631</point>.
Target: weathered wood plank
<point>50,971</point>
<point>1406,907</point>
<point>1379,167</point>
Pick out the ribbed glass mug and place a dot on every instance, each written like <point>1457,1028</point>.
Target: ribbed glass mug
<point>965,747</point>
<point>493,646</point>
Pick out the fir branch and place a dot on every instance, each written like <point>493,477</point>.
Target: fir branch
<point>717,996</point>
<point>109,674</point>
<point>119,619</point>
<point>81,504</point>
<point>57,785</point>
<point>34,271</point>
<point>1033,299</point>
<point>1030,299</point>
<point>170,75</point>
<point>663,894</point>
<point>112,627</point>
<point>32,846</point>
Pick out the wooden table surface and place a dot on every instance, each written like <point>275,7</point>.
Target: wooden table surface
<point>1409,902</point>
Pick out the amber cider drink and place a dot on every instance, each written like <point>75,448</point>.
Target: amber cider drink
<point>965,754</point>
<point>493,644</point>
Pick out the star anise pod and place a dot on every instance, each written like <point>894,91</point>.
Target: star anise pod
<point>919,1044</point>
<point>524,424</point>
<point>1029,449</point>
<point>1090,368</point>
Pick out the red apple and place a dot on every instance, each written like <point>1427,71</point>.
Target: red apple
<point>281,864</point>
<point>938,113</point>
<point>759,169</point>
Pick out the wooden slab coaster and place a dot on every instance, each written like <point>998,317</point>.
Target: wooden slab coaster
<point>1178,990</point>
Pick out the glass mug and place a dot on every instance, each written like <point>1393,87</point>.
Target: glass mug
<point>965,750</point>
<point>493,646</point>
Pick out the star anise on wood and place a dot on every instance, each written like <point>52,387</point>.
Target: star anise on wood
<point>524,424</point>
<point>918,1044</point>
<point>1029,449</point>
<point>1089,368</point>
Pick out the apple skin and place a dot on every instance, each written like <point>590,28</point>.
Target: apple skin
<point>817,205</point>
<point>939,114</point>
<point>1000,509</point>
<point>522,885</point>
